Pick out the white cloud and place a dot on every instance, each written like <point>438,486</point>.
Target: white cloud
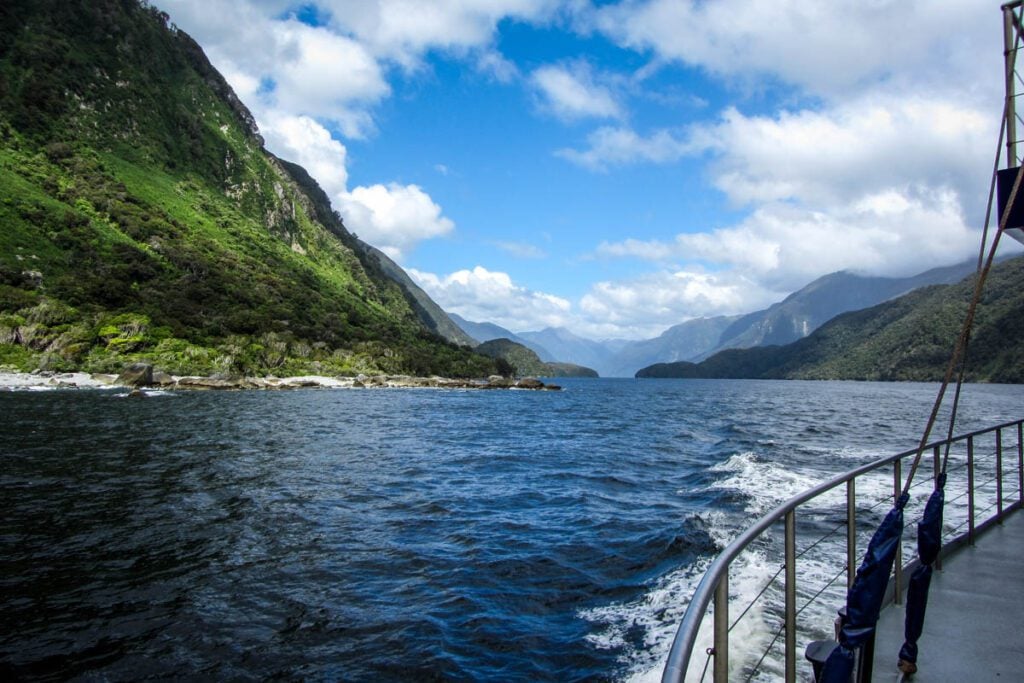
<point>496,66</point>
<point>876,184</point>
<point>393,217</point>
<point>861,146</point>
<point>325,75</point>
<point>491,296</point>
<point>782,247</point>
<point>817,45</point>
<point>310,71</point>
<point>571,92</point>
<point>305,141</point>
<point>617,146</point>
<point>644,307</point>
<point>403,30</point>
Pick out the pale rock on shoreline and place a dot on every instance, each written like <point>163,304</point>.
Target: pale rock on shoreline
<point>143,378</point>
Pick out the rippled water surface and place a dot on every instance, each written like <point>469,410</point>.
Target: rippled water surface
<point>402,534</point>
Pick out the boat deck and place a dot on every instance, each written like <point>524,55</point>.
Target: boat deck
<point>974,624</point>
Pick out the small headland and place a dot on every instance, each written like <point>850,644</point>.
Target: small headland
<point>145,376</point>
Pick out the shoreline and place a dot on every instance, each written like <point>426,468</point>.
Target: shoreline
<point>45,380</point>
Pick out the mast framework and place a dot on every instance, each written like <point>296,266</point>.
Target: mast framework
<point>1013,33</point>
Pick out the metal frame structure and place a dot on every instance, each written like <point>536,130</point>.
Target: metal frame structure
<point>1013,13</point>
<point>714,587</point>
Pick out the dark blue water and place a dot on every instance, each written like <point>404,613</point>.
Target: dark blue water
<point>400,534</point>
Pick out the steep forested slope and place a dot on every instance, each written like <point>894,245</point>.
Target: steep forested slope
<point>141,218</point>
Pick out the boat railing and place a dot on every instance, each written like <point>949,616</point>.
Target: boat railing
<point>985,482</point>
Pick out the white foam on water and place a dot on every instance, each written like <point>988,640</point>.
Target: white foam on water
<point>659,612</point>
<point>765,485</point>
<point>821,575</point>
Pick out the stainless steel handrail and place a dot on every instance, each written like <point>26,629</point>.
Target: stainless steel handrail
<point>714,584</point>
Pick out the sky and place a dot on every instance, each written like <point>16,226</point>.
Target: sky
<point>618,167</point>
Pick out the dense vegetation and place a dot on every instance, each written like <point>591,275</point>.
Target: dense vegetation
<point>909,338</point>
<point>526,362</point>
<point>141,218</point>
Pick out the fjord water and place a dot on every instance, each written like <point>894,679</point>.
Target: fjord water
<point>402,534</point>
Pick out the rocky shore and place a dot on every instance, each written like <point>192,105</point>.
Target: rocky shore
<point>141,376</point>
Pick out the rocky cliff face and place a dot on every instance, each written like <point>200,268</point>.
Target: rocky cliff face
<point>143,220</point>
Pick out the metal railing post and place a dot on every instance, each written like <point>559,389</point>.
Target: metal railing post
<point>721,671</point>
<point>897,481</point>
<point>999,474</point>
<point>936,467</point>
<point>713,590</point>
<point>970,490</point>
<point>851,533</point>
<point>791,596</point>
<point>1020,462</point>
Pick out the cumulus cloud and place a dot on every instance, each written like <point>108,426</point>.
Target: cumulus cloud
<point>571,92</point>
<point>783,247</point>
<point>813,44</point>
<point>854,148</point>
<point>644,307</point>
<point>303,140</point>
<point>483,295</point>
<point>327,75</point>
<point>403,31</point>
<point>393,217</point>
<point>876,184</point>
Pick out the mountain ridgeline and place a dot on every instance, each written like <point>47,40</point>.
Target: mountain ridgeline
<point>908,338</point>
<point>141,218</point>
<point>791,319</point>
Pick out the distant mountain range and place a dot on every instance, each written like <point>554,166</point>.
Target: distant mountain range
<point>791,319</point>
<point>485,332</point>
<point>908,338</point>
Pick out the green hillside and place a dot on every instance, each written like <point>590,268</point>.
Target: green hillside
<point>141,218</point>
<point>909,338</point>
<point>526,362</point>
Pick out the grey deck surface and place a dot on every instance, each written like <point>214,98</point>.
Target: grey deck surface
<point>974,624</point>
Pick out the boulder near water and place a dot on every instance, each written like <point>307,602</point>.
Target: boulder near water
<point>136,375</point>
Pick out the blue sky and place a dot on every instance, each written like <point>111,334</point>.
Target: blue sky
<point>619,167</point>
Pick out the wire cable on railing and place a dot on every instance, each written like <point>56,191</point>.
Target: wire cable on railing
<point>782,627</point>
<point>711,652</point>
<point>756,598</point>
<point>820,540</point>
<point>824,588</point>
<point>781,568</point>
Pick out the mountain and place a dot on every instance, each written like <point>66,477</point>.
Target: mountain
<point>484,332</point>
<point>569,347</point>
<point>435,319</point>
<point>685,341</point>
<point>527,362</point>
<point>805,310</point>
<point>142,219</point>
<point>908,338</point>
<point>793,318</point>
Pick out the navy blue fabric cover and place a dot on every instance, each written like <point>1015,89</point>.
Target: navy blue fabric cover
<point>929,542</point>
<point>864,600</point>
